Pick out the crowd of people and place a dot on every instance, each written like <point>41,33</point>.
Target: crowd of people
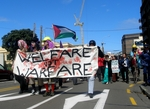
<point>110,68</point>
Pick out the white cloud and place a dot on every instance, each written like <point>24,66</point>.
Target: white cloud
<point>107,10</point>
<point>2,19</point>
<point>103,6</point>
<point>130,23</point>
<point>67,1</point>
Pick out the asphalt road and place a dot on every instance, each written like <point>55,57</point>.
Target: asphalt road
<point>118,95</point>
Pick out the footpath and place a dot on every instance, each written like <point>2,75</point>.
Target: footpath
<point>145,90</point>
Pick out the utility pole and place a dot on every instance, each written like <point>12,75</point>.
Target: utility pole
<point>34,28</point>
<point>102,46</point>
<point>41,32</point>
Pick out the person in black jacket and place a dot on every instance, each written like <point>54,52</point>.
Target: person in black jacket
<point>125,67</point>
<point>34,47</point>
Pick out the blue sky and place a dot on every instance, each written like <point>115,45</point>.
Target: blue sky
<point>104,20</point>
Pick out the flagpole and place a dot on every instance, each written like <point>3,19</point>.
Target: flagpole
<point>50,29</point>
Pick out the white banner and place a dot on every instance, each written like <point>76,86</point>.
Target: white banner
<point>57,63</point>
<point>115,66</point>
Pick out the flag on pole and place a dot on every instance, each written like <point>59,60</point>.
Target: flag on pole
<point>63,32</point>
<point>61,45</point>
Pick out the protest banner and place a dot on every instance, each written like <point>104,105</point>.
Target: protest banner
<point>115,66</point>
<point>57,63</point>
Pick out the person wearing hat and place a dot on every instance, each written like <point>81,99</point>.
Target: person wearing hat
<point>135,61</point>
<point>35,46</point>
<point>134,49</point>
<point>48,44</point>
<point>100,63</point>
<point>145,62</point>
<point>23,81</point>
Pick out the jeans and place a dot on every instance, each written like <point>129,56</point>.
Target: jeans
<point>91,84</point>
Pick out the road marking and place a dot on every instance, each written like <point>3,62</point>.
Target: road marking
<point>9,88</point>
<point>4,98</point>
<point>70,102</point>
<point>36,105</point>
<point>128,91</point>
<point>140,82</point>
<point>101,102</point>
<point>14,97</point>
<point>133,101</point>
<point>7,94</point>
<point>131,85</point>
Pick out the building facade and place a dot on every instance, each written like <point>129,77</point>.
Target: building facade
<point>128,40</point>
<point>145,20</point>
<point>3,56</point>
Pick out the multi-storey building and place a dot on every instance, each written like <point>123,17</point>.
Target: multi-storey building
<point>128,40</point>
<point>145,20</point>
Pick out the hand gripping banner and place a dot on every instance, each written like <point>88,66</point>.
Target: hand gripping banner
<point>57,63</point>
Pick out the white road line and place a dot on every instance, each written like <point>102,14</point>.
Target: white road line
<point>36,105</point>
<point>4,98</point>
<point>2,82</point>
<point>14,97</point>
<point>7,94</point>
<point>101,102</point>
<point>72,101</point>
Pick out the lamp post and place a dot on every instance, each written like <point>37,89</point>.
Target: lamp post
<point>102,46</point>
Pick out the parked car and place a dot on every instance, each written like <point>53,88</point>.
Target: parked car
<point>6,74</point>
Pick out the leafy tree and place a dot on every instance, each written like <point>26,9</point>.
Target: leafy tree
<point>10,40</point>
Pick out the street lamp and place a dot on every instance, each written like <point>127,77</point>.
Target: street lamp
<point>102,44</point>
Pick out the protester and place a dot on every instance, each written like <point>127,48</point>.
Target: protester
<point>35,46</point>
<point>125,66</point>
<point>23,81</point>
<point>135,60</point>
<point>92,78</point>
<point>115,68</point>
<point>107,70</point>
<point>48,44</point>
<point>145,62</point>
<point>120,66</point>
<point>100,71</point>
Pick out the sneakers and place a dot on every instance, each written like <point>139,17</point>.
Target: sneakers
<point>38,93</point>
<point>107,83</point>
<point>90,95</point>
<point>20,92</point>
<point>52,93</point>
<point>33,92</point>
<point>60,87</point>
<point>46,94</point>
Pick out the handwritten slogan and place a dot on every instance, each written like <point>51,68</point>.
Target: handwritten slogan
<point>115,66</point>
<point>57,63</point>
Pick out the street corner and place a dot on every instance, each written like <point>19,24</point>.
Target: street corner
<point>145,90</point>
<point>134,88</point>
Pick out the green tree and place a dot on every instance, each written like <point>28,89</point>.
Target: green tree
<point>10,40</point>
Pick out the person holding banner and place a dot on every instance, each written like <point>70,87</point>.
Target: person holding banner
<point>100,71</point>
<point>48,44</point>
<point>92,78</point>
<point>21,79</point>
<point>115,68</point>
<point>35,46</point>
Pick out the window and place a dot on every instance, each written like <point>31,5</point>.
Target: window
<point>1,67</point>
